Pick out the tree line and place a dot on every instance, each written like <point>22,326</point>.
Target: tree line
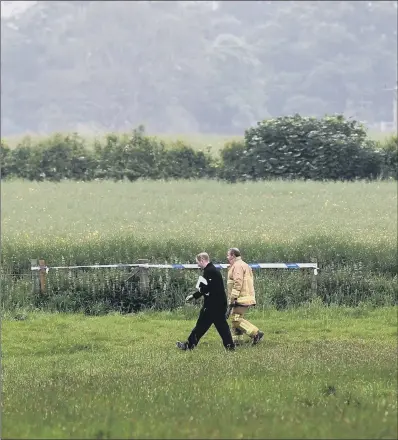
<point>328,149</point>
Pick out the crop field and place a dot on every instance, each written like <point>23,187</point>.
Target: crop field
<point>107,221</point>
<point>351,229</point>
<point>327,367</point>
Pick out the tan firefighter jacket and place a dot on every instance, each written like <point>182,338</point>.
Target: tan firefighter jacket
<point>240,284</point>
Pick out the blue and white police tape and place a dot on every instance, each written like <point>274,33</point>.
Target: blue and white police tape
<point>183,266</point>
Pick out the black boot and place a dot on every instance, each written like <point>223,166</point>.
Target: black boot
<point>258,337</point>
<point>182,345</point>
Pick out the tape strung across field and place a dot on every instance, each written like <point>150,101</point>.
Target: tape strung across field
<point>184,266</point>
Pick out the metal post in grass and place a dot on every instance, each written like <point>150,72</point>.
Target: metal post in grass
<point>314,281</point>
<point>42,275</point>
<point>144,276</point>
<point>35,277</point>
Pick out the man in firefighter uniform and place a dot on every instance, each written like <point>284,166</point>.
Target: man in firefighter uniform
<point>241,296</point>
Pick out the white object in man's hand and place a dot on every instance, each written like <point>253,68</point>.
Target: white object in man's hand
<point>189,297</point>
<point>201,280</point>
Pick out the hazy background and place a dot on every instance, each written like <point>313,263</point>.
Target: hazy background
<point>193,67</point>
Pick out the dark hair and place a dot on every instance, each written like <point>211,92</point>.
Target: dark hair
<point>234,251</point>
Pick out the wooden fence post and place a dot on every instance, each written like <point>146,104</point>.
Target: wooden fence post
<point>42,276</point>
<point>144,276</point>
<point>35,277</point>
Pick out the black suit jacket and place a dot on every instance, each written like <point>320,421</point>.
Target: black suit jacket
<point>215,298</point>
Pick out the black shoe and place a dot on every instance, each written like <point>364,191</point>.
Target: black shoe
<point>239,343</point>
<point>258,337</point>
<point>182,345</point>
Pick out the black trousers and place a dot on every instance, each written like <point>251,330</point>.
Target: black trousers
<point>204,322</point>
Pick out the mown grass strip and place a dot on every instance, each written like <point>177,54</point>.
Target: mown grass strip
<point>320,372</point>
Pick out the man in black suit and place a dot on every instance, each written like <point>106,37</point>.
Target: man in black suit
<point>214,306</point>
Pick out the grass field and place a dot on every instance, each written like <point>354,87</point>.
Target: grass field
<point>319,373</point>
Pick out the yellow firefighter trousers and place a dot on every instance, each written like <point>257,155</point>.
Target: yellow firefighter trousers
<point>240,325</point>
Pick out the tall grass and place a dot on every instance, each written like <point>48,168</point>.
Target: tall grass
<point>350,228</point>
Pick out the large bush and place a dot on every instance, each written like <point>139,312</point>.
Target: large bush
<point>129,158</point>
<point>182,162</point>
<point>55,158</point>
<point>5,153</point>
<point>64,157</point>
<point>389,151</point>
<point>296,147</point>
<point>235,165</point>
